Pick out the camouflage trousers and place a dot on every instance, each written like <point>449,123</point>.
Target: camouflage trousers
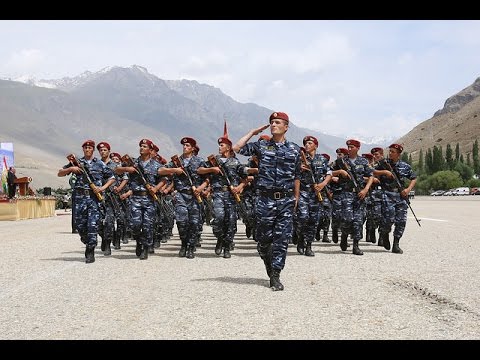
<point>274,228</point>
<point>394,210</point>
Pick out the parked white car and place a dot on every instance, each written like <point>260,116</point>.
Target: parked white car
<point>461,191</point>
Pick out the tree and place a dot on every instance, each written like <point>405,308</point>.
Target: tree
<point>457,153</point>
<point>429,162</point>
<point>410,159</point>
<point>465,171</point>
<point>469,163</point>
<point>476,163</point>
<point>449,158</point>
<point>420,161</point>
<point>404,157</point>
<point>438,161</point>
<point>447,179</point>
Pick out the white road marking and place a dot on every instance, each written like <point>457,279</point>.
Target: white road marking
<point>429,219</point>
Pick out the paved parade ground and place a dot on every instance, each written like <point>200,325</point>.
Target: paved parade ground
<point>431,291</point>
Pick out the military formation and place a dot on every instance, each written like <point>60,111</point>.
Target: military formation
<point>285,194</point>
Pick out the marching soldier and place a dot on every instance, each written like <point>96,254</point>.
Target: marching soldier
<point>188,185</point>
<point>336,187</point>
<point>278,189</point>
<point>326,210</point>
<point>352,171</point>
<point>315,175</point>
<point>87,195</point>
<point>394,205</point>
<point>144,183</point>
<point>377,195</point>
<point>224,173</point>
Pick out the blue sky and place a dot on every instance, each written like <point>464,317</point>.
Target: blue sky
<point>364,78</point>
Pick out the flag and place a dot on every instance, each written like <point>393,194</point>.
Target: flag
<point>225,131</point>
<point>5,175</point>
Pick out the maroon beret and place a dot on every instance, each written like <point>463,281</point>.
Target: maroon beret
<point>224,140</point>
<point>353,142</point>
<point>279,115</point>
<point>112,155</point>
<point>146,141</point>
<point>89,143</point>
<point>188,140</point>
<point>342,150</point>
<point>310,138</point>
<point>264,137</point>
<point>376,149</point>
<point>368,156</point>
<point>396,146</point>
<point>103,144</point>
<point>155,147</point>
<point>326,156</point>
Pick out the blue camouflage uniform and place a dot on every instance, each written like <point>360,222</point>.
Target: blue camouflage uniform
<point>142,204</point>
<point>309,207</point>
<point>224,217</point>
<point>394,207</point>
<point>187,208</point>
<point>353,209</point>
<point>87,207</point>
<point>279,167</point>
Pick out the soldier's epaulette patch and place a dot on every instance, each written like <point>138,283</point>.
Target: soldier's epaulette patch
<point>270,147</point>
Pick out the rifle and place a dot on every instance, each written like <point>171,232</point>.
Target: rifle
<point>400,186</point>
<point>129,162</point>
<point>179,164</point>
<point>73,160</point>
<point>216,162</point>
<point>342,164</point>
<point>310,170</point>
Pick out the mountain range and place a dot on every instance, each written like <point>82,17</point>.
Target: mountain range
<point>48,119</point>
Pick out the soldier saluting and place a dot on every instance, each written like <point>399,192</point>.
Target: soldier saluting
<point>278,190</point>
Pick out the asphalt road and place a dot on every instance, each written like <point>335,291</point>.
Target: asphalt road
<point>431,291</point>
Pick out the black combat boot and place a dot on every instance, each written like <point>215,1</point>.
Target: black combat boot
<point>108,249</point>
<point>381,236</point>
<point>356,250</point>
<point>90,254</point>
<point>386,241</point>
<point>335,235</point>
<point>138,249</point>
<point>308,250</point>
<point>396,249</point>
<point>218,247</point>
<point>317,234</point>
<point>248,231</point>
<point>190,252</point>
<point>226,251</point>
<point>156,243</point>
<point>151,249</point>
<point>183,251</point>
<point>373,236</point>
<point>232,246</point>
<point>267,260</point>
<point>294,238</point>
<point>367,231</point>
<point>300,244</point>
<point>325,238</point>
<point>343,241</point>
<point>103,244</point>
<point>144,254</point>
<point>116,240</point>
<point>275,283</point>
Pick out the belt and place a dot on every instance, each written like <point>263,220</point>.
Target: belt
<point>276,195</point>
<point>140,193</point>
<point>83,192</point>
<point>306,188</point>
<point>186,191</point>
<point>223,188</point>
<point>392,190</point>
